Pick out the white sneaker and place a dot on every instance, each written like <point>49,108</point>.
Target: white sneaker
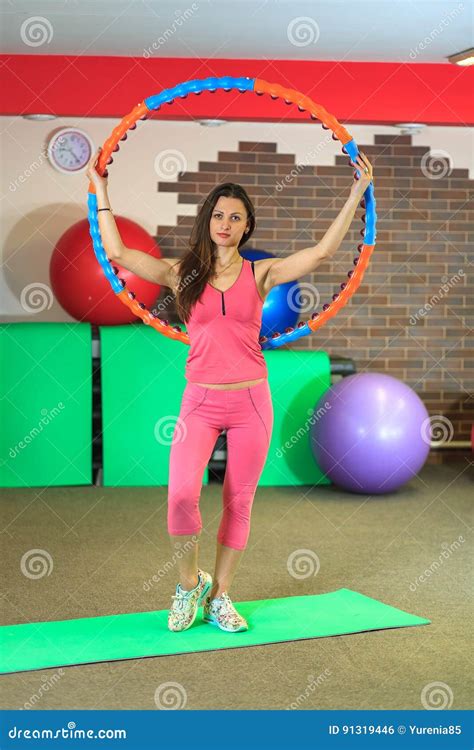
<point>185,604</point>
<point>221,612</point>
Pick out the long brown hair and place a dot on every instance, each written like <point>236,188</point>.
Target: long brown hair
<point>198,265</point>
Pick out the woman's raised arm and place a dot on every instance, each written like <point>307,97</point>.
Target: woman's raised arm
<point>157,270</point>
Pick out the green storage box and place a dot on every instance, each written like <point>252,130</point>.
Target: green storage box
<point>297,380</point>
<point>46,404</point>
<point>142,375</point>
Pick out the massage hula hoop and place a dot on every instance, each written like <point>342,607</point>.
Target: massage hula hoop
<point>259,87</point>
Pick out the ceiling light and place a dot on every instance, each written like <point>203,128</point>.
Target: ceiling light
<point>39,117</point>
<point>464,58</point>
<point>410,128</point>
<point>212,123</point>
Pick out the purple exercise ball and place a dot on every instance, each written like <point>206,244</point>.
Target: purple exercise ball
<point>374,436</point>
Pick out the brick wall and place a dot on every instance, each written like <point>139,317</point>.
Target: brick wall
<point>421,259</point>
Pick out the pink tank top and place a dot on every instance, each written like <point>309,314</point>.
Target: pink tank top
<point>224,329</point>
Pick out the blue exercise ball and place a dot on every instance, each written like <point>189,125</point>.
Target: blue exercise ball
<point>277,314</point>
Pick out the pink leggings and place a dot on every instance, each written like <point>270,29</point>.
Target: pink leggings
<point>247,416</point>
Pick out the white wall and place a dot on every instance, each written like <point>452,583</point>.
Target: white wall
<point>39,203</point>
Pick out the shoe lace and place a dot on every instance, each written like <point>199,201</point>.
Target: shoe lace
<point>226,605</point>
<point>225,596</point>
<point>179,599</point>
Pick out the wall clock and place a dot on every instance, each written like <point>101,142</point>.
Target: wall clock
<point>69,150</point>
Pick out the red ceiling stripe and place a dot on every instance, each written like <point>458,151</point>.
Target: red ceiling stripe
<point>354,92</point>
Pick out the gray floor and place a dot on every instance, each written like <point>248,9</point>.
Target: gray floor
<point>411,550</point>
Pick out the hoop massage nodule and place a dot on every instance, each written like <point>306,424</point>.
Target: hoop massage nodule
<point>259,87</point>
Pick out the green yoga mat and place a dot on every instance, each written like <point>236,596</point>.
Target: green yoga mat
<point>133,636</point>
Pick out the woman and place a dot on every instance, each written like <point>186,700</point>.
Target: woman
<point>219,296</point>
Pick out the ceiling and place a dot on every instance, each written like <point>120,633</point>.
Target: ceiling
<point>412,31</point>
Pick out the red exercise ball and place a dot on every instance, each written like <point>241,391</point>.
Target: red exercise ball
<point>80,285</point>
